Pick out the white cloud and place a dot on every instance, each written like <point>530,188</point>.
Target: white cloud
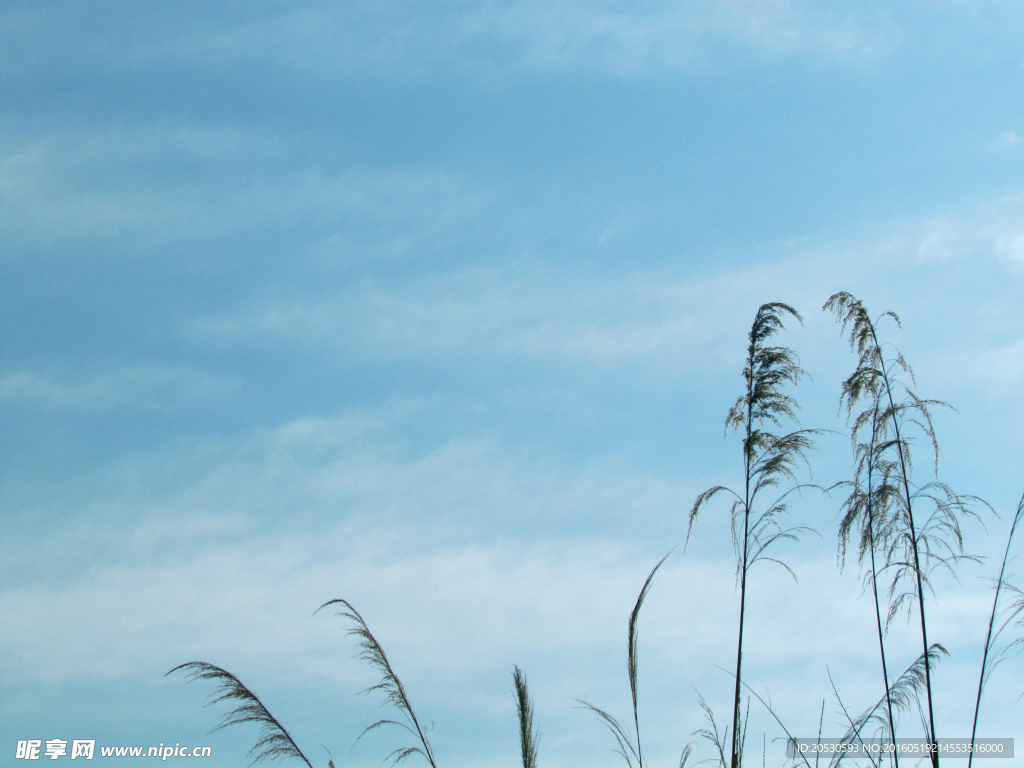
<point>454,620</point>
<point>942,239</point>
<point>675,326</point>
<point>1010,248</point>
<point>1006,140</point>
<point>994,228</point>
<point>53,190</point>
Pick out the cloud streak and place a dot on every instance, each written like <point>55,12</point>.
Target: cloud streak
<point>498,41</point>
<point>147,386</point>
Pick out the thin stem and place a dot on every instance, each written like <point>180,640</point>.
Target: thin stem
<point>874,579</point>
<point>747,446</point>
<point>881,646</point>
<point>768,460</point>
<point>991,623</point>
<point>917,561</point>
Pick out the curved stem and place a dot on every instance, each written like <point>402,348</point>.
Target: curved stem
<point>881,648</point>
<point>991,623</point>
<point>917,561</point>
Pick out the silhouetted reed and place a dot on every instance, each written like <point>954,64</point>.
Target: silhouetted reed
<point>883,517</point>
<point>768,460</point>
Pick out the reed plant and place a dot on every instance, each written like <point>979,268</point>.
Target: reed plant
<point>769,459</point>
<point>628,746</point>
<point>888,510</point>
<point>274,742</point>
<point>528,737</point>
<point>389,684</point>
<point>901,529</point>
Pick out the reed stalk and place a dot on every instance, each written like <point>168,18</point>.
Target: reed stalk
<point>912,550</point>
<point>989,664</point>
<point>768,459</point>
<point>274,742</point>
<point>389,684</point>
<point>528,737</point>
<point>632,752</point>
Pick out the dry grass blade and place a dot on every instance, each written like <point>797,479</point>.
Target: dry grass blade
<point>718,740</point>
<point>528,738</point>
<point>905,695</point>
<point>859,738</point>
<point>394,692</point>
<point>274,742</point>
<point>768,707</point>
<point>913,552</point>
<point>703,499</point>
<point>626,748</point>
<point>632,655</point>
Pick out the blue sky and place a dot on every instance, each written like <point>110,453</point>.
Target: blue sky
<point>439,308</point>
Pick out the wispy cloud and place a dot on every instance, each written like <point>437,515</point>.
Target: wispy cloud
<point>54,189</point>
<point>380,301</point>
<point>994,228</point>
<point>671,323</point>
<point>498,40</point>
<point>1005,141</point>
<point>155,385</point>
<point>453,622</point>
